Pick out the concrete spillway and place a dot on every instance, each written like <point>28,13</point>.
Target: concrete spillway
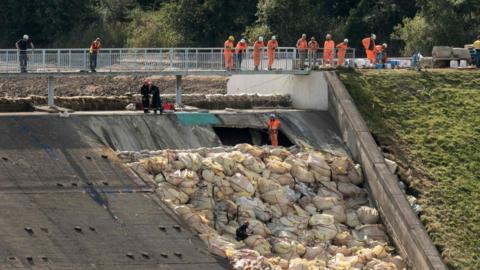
<point>68,203</point>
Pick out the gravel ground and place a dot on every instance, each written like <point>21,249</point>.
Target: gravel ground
<point>108,86</point>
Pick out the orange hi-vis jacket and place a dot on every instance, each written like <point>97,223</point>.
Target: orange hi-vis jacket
<point>329,45</point>
<point>229,48</point>
<point>342,51</point>
<point>272,45</point>
<point>95,47</point>
<point>241,47</point>
<point>302,45</point>
<point>273,124</point>
<point>369,45</point>
<point>257,51</point>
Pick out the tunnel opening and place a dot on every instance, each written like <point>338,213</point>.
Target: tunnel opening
<point>231,136</point>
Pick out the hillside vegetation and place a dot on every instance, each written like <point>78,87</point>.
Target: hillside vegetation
<point>430,123</point>
<point>406,25</point>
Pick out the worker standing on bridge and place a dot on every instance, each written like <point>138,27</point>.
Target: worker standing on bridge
<point>272,46</point>
<point>257,52</point>
<point>240,52</point>
<point>22,45</point>
<point>329,51</point>
<point>312,52</point>
<point>94,50</point>
<point>145,91</point>
<point>369,45</point>
<point>476,47</point>
<point>273,126</point>
<point>341,52</point>
<point>302,47</point>
<point>228,50</point>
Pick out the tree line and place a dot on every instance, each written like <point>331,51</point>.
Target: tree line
<point>406,25</point>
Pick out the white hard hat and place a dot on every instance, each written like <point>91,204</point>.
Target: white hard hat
<point>385,45</point>
<point>374,36</point>
<point>260,39</point>
<point>272,115</point>
<point>26,37</point>
<point>345,40</point>
<point>274,37</point>
<point>242,40</point>
<point>328,36</point>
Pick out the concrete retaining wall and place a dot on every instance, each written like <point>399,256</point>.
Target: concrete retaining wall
<point>118,103</point>
<point>306,91</point>
<point>404,227</point>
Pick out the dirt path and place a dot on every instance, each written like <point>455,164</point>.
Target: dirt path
<point>108,86</point>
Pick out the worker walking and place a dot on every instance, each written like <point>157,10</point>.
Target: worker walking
<point>156,100</point>
<point>312,52</point>
<point>22,46</point>
<point>302,47</point>
<point>369,45</point>
<point>342,52</point>
<point>257,52</point>
<point>145,91</point>
<point>95,47</point>
<point>272,46</point>
<point>273,126</point>
<point>240,52</point>
<point>329,51</point>
<point>228,50</point>
<point>242,232</point>
<point>476,47</point>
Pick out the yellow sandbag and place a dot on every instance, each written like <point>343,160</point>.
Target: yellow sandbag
<point>302,174</point>
<point>237,156</point>
<point>321,219</point>
<point>279,167</point>
<point>324,203</point>
<point>325,233</point>
<point>254,164</point>
<point>280,152</point>
<point>170,193</point>
<point>251,175</point>
<point>208,175</point>
<point>156,164</point>
<point>285,179</point>
<point>265,185</point>
<point>259,244</point>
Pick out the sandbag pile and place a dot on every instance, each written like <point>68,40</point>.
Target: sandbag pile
<point>307,210</point>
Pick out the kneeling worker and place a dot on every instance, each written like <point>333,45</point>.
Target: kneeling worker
<point>242,232</point>
<point>273,126</point>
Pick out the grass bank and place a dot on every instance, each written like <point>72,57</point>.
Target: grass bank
<point>429,122</point>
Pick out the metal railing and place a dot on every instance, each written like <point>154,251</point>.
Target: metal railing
<point>160,59</point>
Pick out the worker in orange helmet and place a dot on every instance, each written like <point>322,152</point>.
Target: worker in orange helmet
<point>257,52</point>
<point>273,126</point>
<point>342,51</point>
<point>302,46</point>
<point>328,51</point>
<point>240,52</point>
<point>228,50</point>
<point>272,46</point>
<point>369,45</point>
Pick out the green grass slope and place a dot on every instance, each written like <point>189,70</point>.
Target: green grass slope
<point>429,122</point>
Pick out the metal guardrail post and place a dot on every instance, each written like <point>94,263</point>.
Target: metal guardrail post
<point>178,93</point>
<point>85,59</point>
<point>44,66</point>
<point>170,56</point>
<point>186,60</point>
<point>110,60</point>
<point>69,58</point>
<point>58,60</point>
<point>51,92</point>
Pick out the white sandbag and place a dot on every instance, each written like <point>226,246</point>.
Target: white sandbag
<point>254,164</point>
<point>373,232</point>
<point>251,175</point>
<point>168,192</point>
<point>321,219</point>
<point>201,201</point>
<point>349,190</point>
<point>265,185</point>
<point>302,174</point>
<point>277,166</point>
<point>299,264</point>
<point>352,219</point>
<point>317,163</point>
<point>281,246</point>
<point>325,233</point>
<point>324,203</point>
<point>355,175</point>
<point>185,159</point>
<point>368,215</point>
<point>280,152</point>
<point>338,213</point>
<point>159,178</point>
<point>285,179</point>
<point>208,175</point>
<point>237,156</point>
<point>259,244</point>
<point>240,183</point>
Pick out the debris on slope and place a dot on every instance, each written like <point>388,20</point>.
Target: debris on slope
<point>306,209</point>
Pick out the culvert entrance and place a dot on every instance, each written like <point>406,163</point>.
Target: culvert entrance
<point>231,136</point>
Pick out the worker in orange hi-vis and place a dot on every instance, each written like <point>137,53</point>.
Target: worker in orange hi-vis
<point>228,50</point>
<point>302,47</point>
<point>240,52</point>
<point>342,51</point>
<point>257,52</point>
<point>329,51</point>
<point>272,46</point>
<point>273,126</point>
<point>369,45</point>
